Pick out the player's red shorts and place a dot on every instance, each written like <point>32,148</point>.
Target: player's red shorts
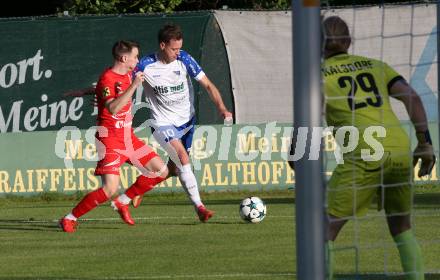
<point>114,152</point>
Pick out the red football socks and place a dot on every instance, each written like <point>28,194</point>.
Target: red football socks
<point>89,202</point>
<point>142,185</point>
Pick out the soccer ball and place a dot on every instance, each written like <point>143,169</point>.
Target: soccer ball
<point>252,209</point>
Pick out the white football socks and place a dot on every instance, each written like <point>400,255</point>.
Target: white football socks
<point>124,199</point>
<point>70,217</point>
<point>189,183</point>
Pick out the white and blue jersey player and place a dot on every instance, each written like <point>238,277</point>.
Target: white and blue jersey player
<point>170,94</point>
<point>169,91</point>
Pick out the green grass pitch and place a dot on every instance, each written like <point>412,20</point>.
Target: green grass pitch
<point>168,242</point>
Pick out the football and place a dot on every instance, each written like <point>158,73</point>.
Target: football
<point>252,209</point>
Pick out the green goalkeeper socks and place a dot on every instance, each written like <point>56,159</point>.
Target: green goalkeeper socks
<point>410,255</point>
<point>329,259</point>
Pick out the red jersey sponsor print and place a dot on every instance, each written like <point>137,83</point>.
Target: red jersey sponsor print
<point>110,86</point>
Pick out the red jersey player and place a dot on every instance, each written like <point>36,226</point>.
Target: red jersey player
<point>116,142</point>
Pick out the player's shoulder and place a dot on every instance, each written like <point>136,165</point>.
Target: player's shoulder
<point>106,75</point>
<point>370,60</point>
<point>185,57</point>
<point>193,67</point>
<point>146,60</point>
<point>107,72</point>
<point>183,54</point>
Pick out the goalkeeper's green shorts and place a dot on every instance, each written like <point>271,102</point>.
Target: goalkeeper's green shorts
<point>355,183</point>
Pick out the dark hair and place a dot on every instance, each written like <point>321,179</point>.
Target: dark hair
<point>123,47</point>
<point>336,36</point>
<point>168,32</point>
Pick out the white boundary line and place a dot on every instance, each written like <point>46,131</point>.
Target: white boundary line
<point>236,275</point>
<point>205,276</point>
<point>32,221</point>
<point>176,217</point>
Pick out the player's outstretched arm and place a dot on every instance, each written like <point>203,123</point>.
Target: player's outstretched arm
<point>414,106</point>
<point>81,92</point>
<point>216,97</point>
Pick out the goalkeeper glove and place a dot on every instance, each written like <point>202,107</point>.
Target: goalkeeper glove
<point>425,152</point>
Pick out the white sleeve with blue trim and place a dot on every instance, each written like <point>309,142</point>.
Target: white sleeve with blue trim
<point>193,68</point>
<point>144,62</point>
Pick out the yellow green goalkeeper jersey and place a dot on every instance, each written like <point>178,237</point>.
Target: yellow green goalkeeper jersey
<point>356,90</point>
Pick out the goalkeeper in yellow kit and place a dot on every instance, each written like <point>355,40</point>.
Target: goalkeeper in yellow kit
<point>357,91</point>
